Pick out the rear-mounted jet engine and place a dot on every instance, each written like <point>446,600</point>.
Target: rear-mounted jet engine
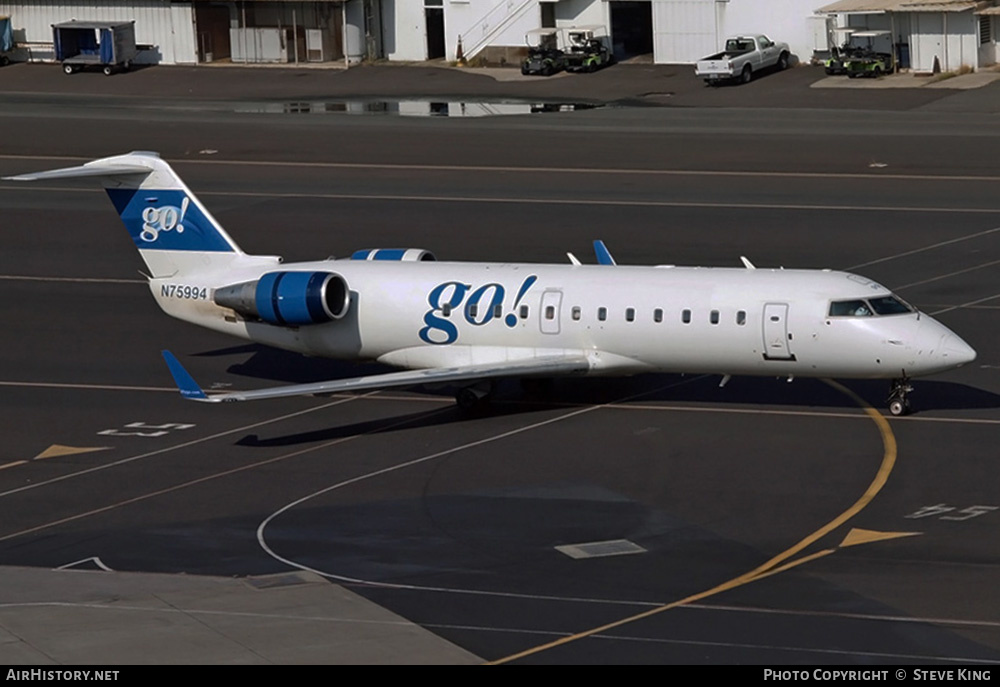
<point>394,254</point>
<point>289,298</point>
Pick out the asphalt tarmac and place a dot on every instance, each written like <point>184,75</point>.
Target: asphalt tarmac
<point>765,522</point>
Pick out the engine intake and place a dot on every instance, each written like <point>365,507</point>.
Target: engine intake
<point>289,298</point>
<point>394,254</point>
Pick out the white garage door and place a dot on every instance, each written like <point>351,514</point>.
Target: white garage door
<point>684,31</point>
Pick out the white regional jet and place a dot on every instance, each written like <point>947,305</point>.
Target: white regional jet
<point>469,323</point>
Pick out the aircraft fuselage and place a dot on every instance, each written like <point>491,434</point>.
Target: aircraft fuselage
<point>627,319</point>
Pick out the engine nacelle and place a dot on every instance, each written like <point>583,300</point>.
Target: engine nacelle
<point>289,298</point>
<point>394,254</point>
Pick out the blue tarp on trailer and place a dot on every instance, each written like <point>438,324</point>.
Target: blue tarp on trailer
<point>6,35</point>
<point>93,42</point>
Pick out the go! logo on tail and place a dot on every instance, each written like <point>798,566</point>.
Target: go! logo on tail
<point>165,218</point>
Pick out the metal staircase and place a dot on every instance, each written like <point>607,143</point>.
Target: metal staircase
<point>482,32</point>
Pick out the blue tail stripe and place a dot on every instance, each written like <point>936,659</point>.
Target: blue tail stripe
<point>167,220</point>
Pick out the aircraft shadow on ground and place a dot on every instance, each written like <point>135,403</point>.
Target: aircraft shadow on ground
<point>272,365</point>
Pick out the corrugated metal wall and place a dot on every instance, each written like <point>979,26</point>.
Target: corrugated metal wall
<point>684,31</point>
<point>167,26</point>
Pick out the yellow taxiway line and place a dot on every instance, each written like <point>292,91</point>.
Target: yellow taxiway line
<point>777,563</point>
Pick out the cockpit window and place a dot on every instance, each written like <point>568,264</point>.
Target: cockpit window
<point>880,305</point>
<point>856,308</point>
<point>889,305</point>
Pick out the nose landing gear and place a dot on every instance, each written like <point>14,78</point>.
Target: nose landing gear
<point>899,404</point>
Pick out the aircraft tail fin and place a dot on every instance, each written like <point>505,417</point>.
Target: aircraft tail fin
<point>173,231</point>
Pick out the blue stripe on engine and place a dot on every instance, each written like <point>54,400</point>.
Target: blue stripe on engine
<point>293,294</point>
<point>314,297</point>
<point>267,297</point>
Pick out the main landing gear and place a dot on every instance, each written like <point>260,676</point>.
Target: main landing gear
<point>475,396</point>
<point>899,404</point>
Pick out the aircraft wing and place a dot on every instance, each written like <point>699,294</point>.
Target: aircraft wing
<point>557,364</point>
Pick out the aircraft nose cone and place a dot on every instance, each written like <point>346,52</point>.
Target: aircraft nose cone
<point>956,351</point>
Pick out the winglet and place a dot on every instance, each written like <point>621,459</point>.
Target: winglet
<point>603,254</point>
<point>185,382</point>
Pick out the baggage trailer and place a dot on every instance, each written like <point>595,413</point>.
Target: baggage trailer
<point>6,41</point>
<point>108,45</point>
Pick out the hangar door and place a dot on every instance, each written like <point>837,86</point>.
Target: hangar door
<point>631,28</point>
<point>927,42</point>
<point>684,31</point>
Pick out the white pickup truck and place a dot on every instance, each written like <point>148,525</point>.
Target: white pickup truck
<point>742,58</point>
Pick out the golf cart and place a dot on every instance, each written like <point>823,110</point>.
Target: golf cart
<point>586,52</point>
<point>836,64</point>
<point>544,56</point>
<point>866,60</point>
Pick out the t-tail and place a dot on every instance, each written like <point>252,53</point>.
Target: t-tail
<point>175,234</point>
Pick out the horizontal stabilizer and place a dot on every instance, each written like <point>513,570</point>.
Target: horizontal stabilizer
<point>173,231</point>
<point>88,170</point>
<point>543,365</point>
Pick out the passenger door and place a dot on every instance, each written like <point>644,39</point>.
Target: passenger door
<point>549,312</point>
<point>775,330</point>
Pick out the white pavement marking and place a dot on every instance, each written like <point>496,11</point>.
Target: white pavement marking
<point>168,449</point>
<point>925,248</point>
<point>88,387</point>
<point>609,202</point>
<point>924,620</point>
<point>385,396</point>
<point>93,559</point>
<point>965,305</point>
<point>422,459</point>
<point>78,280</point>
<point>384,471</point>
<point>199,611</point>
<point>946,276</point>
<point>521,169</point>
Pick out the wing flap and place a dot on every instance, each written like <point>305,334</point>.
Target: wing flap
<point>562,364</point>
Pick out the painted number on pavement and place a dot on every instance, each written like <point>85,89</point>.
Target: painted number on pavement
<point>945,512</point>
<point>141,429</point>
